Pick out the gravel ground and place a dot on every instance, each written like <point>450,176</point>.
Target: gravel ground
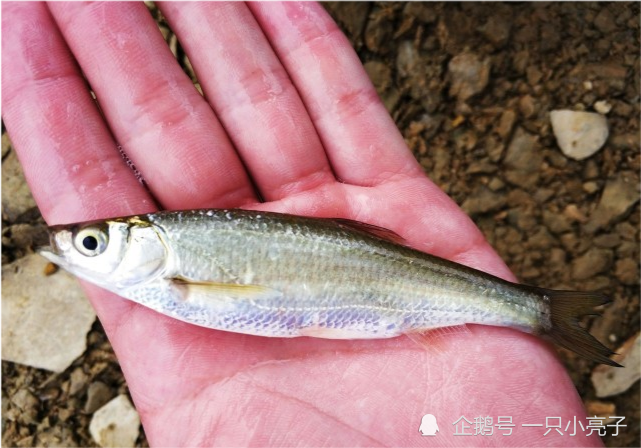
<point>471,87</point>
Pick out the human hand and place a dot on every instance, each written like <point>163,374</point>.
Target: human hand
<point>290,111</point>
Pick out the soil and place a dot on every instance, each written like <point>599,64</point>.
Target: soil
<point>471,86</point>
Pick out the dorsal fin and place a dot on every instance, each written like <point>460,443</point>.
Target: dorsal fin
<point>380,232</point>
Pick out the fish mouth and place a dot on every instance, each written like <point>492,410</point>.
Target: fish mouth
<point>52,251</point>
<point>49,253</point>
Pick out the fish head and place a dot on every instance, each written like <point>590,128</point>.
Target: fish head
<point>114,254</point>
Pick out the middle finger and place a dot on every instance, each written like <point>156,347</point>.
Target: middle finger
<point>252,95</point>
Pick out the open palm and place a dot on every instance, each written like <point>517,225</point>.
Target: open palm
<point>289,115</point>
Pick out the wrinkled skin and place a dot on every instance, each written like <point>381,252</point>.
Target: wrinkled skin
<point>291,113</point>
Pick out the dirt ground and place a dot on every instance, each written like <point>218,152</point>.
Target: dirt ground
<point>487,141</point>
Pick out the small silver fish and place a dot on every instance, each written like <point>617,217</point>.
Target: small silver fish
<point>271,274</point>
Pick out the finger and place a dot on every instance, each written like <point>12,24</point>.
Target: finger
<point>155,112</point>
<point>258,105</point>
<point>75,174</point>
<point>68,155</point>
<point>363,144</point>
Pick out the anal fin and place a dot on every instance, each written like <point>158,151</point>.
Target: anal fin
<point>433,339</point>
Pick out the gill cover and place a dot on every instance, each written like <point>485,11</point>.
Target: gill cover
<point>113,254</point>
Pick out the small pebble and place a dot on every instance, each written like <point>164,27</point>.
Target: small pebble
<point>97,395</point>
<point>593,262</point>
<point>600,409</point>
<point>602,107</point>
<point>116,424</point>
<point>627,271</point>
<point>608,380</point>
<point>619,195</point>
<point>590,187</point>
<point>50,269</point>
<point>579,134</point>
<point>469,75</point>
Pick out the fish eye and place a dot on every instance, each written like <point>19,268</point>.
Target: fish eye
<point>91,241</point>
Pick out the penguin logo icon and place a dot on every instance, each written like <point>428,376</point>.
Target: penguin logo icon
<point>428,427</point>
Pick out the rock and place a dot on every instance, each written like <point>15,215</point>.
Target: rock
<point>543,194</point>
<point>78,381</point>
<point>483,166</point>
<point>422,11</point>
<point>97,395</point>
<point>590,170</point>
<point>608,241</point>
<point>56,436</point>
<point>626,141</point>
<point>16,196</point>
<point>29,235</point>
<point>602,107</point>
<point>6,144</point>
<point>600,408</point>
<point>541,239</point>
<point>619,195</point>
<point>28,405</point>
<point>496,184</point>
<point>523,160</point>
<point>627,271</point>
<point>556,222</point>
<point>116,424</point>
<point>407,59</point>
<point>579,134</point>
<point>609,381</point>
<point>590,187</point>
<point>527,106</point>
<point>483,201</point>
<point>626,230</point>
<point>593,262</point>
<point>496,30</point>
<point>550,37</point>
<point>604,21</point>
<point>378,31</point>
<point>380,74</point>
<point>572,212</point>
<point>628,249</point>
<point>506,123</point>
<point>45,319</point>
<point>534,75</point>
<point>469,75</point>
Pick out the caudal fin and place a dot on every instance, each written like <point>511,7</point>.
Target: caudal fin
<point>566,307</point>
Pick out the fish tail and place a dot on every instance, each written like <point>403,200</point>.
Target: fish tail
<point>566,307</point>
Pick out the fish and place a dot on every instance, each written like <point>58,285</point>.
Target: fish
<point>279,275</point>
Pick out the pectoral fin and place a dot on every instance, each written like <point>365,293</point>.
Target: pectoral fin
<point>212,292</point>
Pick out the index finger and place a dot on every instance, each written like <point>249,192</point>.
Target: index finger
<point>68,154</point>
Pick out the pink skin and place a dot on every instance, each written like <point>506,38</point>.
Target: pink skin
<point>290,107</point>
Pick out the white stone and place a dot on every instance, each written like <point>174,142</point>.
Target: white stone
<point>116,424</point>
<point>602,107</point>
<point>609,380</point>
<point>45,319</point>
<point>579,134</point>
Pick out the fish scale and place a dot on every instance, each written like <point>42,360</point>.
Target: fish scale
<point>324,268</point>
